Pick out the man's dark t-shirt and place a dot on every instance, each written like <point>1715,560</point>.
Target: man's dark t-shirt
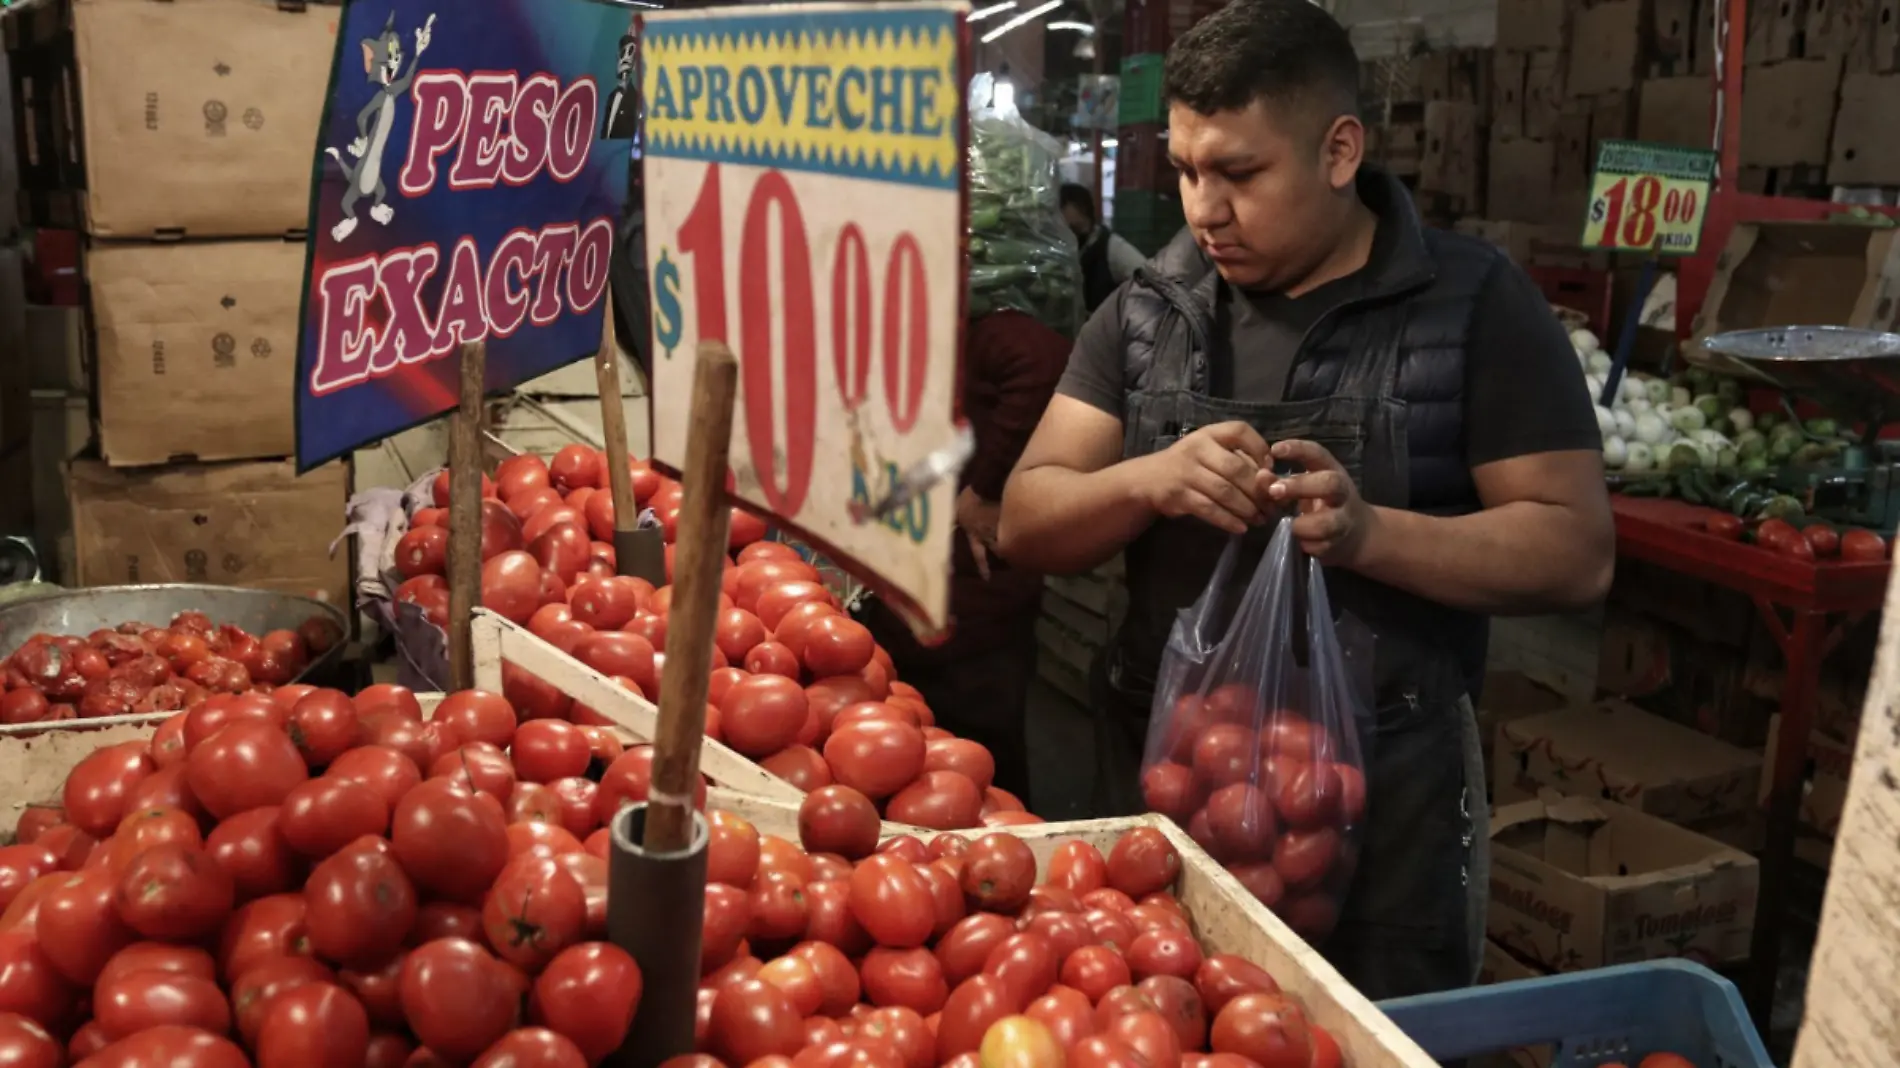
<point>1523,390</point>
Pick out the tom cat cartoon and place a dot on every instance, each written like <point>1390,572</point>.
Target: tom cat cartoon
<point>383,63</point>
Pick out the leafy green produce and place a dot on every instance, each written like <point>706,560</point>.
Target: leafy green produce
<point>1022,254</point>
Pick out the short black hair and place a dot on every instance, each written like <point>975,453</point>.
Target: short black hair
<point>1273,50</point>
<point>1078,197</point>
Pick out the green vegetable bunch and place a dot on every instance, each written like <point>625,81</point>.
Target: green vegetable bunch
<point>1022,254</point>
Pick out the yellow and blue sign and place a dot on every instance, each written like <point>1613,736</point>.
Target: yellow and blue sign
<point>865,94</point>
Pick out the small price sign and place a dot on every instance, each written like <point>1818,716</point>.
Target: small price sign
<point>1647,196</point>
<point>803,173</point>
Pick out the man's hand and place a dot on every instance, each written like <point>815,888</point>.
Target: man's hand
<point>978,519</point>
<point>1332,520</point>
<point>1210,475</point>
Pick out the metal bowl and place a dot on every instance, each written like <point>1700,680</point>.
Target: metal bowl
<point>80,612</point>
<point>1851,371</point>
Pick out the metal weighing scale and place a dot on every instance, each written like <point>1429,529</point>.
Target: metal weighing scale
<point>1854,374</point>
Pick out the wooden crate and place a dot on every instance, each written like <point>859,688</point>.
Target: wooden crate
<point>1226,918</point>
<point>498,641</point>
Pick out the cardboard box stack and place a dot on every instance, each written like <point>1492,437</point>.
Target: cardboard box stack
<point>177,137</point>
<point>1426,117</point>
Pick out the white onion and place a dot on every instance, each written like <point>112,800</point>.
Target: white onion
<point>1650,429</point>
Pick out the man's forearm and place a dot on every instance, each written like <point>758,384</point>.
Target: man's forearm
<point>1060,521</point>
<point>1521,558</point>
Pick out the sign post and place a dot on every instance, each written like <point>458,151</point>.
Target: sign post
<point>804,207</point>
<point>472,165</point>
<point>1649,198</point>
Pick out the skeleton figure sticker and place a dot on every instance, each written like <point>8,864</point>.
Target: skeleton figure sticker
<point>472,164</point>
<point>383,62</point>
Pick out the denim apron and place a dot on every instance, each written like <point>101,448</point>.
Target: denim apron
<point>1412,918</point>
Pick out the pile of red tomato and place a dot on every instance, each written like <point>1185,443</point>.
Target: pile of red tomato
<point>1268,793</point>
<point>910,953</point>
<point>308,880</point>
<point>797,684</point>
<point>139,668</point>
<point>1816,541</point>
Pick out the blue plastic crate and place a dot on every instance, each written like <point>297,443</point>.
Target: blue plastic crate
<point>1611,1014</point>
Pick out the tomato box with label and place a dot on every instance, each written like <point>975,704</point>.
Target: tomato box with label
<point>803,194</point>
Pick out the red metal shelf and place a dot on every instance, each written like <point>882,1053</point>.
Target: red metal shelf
<point>1670,534</point>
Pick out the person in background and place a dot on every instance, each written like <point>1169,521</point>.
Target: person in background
<point>977,682</point>
<point>1108,259</point>
<point>1307,348</point>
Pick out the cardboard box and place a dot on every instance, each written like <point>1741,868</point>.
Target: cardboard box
<point>241,524</point>
<point>1453,163</point>
<point>1517,239</point>
<point>197,349</point>
<point>191,117</point>
<point>1609,47</point>
<point>1517,186</point>
<point>1840,28</point>
<point>1543,94</point>
<point>62,429</point>
<point>1612,117</point>
<point>1616,751</point>
<point>1509,696</point>
<point>1864,150</point>
<point>1497,965</point>
<point>1788,112</point>
<point>1531,25</point>
<point>1787,29</point>
<point>1772,274</point>
<point>1676,111</point>
<point>1581,883</point>
<point>1399,146</point>
<point>1507,93</point>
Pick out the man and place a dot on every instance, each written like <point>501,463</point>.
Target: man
<point>1306,345</point>
<point>1107,258</point>
<point>977,682</point>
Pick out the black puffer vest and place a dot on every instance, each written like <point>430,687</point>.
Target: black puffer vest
<point>1420,295</point>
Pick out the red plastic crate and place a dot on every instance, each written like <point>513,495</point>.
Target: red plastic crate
<point>1141,159</point>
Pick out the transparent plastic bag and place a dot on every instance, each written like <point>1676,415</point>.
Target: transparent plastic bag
<point>1254,744</point>
<point>1022,255</point>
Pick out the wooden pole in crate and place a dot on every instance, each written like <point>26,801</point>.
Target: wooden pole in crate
<point>642,557</point>
<point>465,514</point>
<point>698,565</point>
<point>1853,994</point>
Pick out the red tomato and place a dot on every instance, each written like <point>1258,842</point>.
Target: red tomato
<point>534,910</point>
<point>244,766</point>
<point>388,771</point>
<point>133,1002</point>
<point>1241,819</point>
<point>751,1019</point>
<point>1303,859</point>
<point>21,864</point>
<point>174,892</point>
<point>998,872</point>
<point>1862,546</point>
<point>736,632</point>
<point>972,1007</point>
<point>799,765</point>
<point>1026,964</point>
<point>778,599</point>
<point>838,819</point>
<point>605,603</point>
<point>576,466</point>
<point>965,948</point>
<point>170,1045</point>
<point>252,851</point>
<point>912,978</point>
<point>477,716</point>
<point>1095,970</point>
<point>532,1047</point>
<point>511,585</point>
<point>1164,952</point>
<point>892,900</point>
<point>1724,526</point>
<point>322,725</point>
<point>458,999</point>
<point>621,654</point>
<point>423,551</point>
<point>941,800</point>
<point>96,788</point>
<point>25,1044</point>
<point>449,840</point>
<point>1142,862</point>
<point>517,474</point>
<point>1223,977</point>
<point>762,714</point>
<point>29,984</point>
<point>754,578</point>
<point>78,928</point>
<point>316,1025</point>
<point>546,750</point>
<point>1077,866</point>
<point>1267,1029</point>
<point>501,530</point>
<point>589,993</point>
<point>268,927</point>
<point>831,644</point>
<point>360,905</point>
<point>875,757</point>
<point>323,815</point>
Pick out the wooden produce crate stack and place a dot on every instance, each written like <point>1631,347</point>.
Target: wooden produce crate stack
<point>176,137</point>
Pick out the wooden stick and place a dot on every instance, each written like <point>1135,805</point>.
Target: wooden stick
<point>1854,981</point>
<point>613,423</point>
<point>465,515</point>
<point>704,515</point>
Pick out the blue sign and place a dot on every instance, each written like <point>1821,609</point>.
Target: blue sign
<point>472,166</point>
